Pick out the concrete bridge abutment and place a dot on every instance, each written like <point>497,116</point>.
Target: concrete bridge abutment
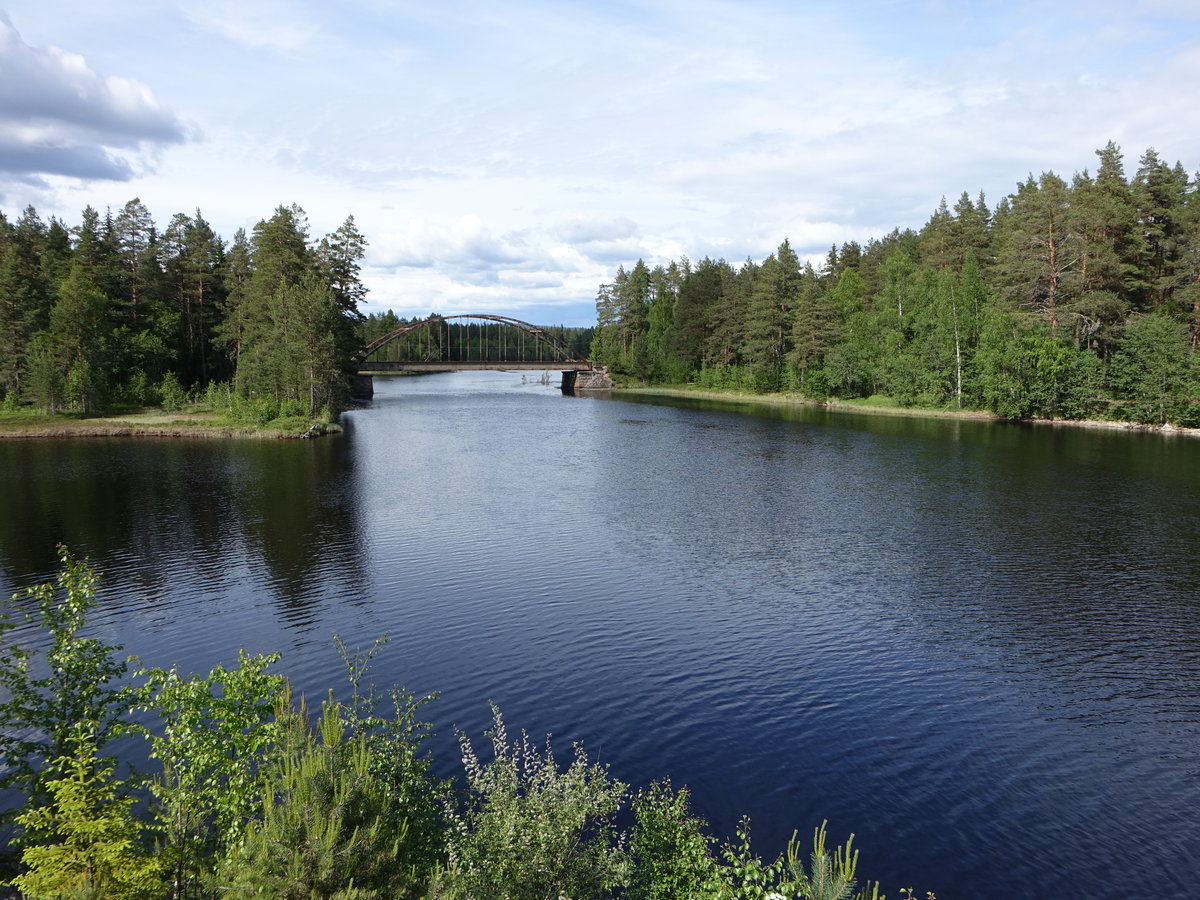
<point>582,381</point>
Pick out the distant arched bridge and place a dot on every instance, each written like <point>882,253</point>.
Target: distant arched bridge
<point>476,341</point>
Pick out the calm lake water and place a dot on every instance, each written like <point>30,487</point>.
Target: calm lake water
<point>977,646</point>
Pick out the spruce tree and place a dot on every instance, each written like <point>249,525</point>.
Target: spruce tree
<point>769,317</point>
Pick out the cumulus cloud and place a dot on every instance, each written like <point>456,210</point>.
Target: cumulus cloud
<point>580,229</point>
<point>467,246</point>
<point>60,117</point>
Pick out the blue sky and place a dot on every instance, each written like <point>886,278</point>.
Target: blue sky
<point>507,156</point>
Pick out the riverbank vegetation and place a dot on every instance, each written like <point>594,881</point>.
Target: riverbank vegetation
<point>1074,300</point>
<point>252,793</point>
<point>112,315</point>
<point>218,412</point>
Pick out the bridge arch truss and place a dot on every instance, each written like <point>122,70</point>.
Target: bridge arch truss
<point>475,341</point>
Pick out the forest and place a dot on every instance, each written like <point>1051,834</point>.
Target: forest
<point>113,313</point>
<point>1069,300</point>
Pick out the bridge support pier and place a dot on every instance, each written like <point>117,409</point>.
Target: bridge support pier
<point>579,381</point>
<point>362,387</point>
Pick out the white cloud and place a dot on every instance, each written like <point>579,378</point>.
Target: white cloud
<point>580,229</point>
<point>60,117</point>
<point>519,152</point>
<point>465,245</point>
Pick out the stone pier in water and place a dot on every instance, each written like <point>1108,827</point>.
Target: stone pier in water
<point>581,381</point>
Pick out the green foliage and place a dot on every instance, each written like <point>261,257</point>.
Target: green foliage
<point>87,843</point>
<point>1025,372</point>
<point>850,370</point>
<point>395,743</point>
<point>831,876</point>
<point>138,390</point>
<point>75,683</point>
<point>218,396</point>
<point>291,321</point>
<point>1031,310</point>
<point>128,308</point>
<point>529,831</point>
<point>213,735</point>
<point>672,859</point>
<point>171,393</point>
<point>265,410</point>
<point>1151,370</point>
<point>745,875</point>
<point>328,826</point>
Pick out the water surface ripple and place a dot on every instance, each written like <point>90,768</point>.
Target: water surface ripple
<point>973,645</point>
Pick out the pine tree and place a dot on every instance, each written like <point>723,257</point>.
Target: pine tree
<point>71,361</point>
<point>700,295</point>
<point>1159,192</point>
<point>1039,255</point>
<point>192,258</point>
<point>136,242</point>
<point>729,317</point>
<point>970,230</point>
<point>340,255</point>
<point>88,844</point>
<point>1102,217</point>
<point>291,318</point>
<point>235,282</point>
<point>281,255</point>
<point>815,327</point>
<point>937,239</point>
<point>769,318</point>
<point>26,294</point>
<point>659,320</point>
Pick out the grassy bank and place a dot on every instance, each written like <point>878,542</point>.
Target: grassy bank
<point>884,406</point>
<point>152,422</point>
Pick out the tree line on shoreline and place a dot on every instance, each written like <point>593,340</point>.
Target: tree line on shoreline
<point>1075,299</point>
<point>252,794</point>
<point>113,313</point>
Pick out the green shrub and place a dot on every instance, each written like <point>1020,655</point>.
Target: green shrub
<point>138,390</point>
<point>396,746</point>
<point>171,393</point>
<point>213,735</point>
<point>831,876</point>
<point>328,827</point>
<point>85,840</point>
<point>81,686</point>
<point>218,396</point>
<point>672,860</point>
<point>529,831</point>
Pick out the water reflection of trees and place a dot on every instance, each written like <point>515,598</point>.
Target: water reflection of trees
<point>167,517</point>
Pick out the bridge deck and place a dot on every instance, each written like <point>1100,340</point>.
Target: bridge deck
<point>370,366</point>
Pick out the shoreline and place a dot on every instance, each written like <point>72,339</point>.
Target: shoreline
<point>912,412</point>
<point>152,424</point>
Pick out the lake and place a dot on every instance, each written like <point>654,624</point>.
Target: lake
<point>975,645</point>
